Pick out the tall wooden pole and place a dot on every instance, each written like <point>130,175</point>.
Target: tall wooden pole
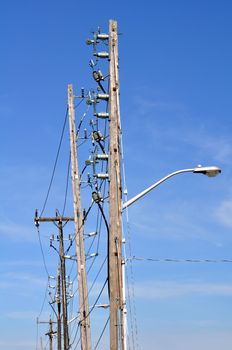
<point>50,334</point>
<point>115,199</point>
<point>61,282</point>
<point>63,285</point>
<point>58,312</point>
<point>78,224</point>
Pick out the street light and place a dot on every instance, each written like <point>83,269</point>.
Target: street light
<point>210,171</point>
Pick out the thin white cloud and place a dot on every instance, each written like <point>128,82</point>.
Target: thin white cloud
<point>216,146</point>
<point>25,284</point>
<point>181,340</point>
<point>170,289</point>
<point>17,232</point>
<point>145,105</point>
<point>219,148</point>
<point>23,263</point>
<point>17,344</point>
<point>179,221</point>
<point>224,213</point>
<point>22,315</point>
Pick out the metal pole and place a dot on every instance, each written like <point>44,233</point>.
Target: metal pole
<point>78,224</point>
<point>115,199</point>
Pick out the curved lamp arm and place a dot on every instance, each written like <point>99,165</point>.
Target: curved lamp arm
<point>210,171</point>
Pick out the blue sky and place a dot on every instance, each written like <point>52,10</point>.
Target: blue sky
<point>176,82</point>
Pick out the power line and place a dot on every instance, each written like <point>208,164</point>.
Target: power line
<point>104,328</point>
<point>43,303</point>
<point>66,187</point>
<point>83,221</point>
<point>78,327</point>
<point>55,163</point>
<point>94,281</point>
<point>78,104</point>
<point>42,252</point>
<point>92,308</point>
<point>98,297</point>
<point>215,261</point>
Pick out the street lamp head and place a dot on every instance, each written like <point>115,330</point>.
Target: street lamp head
<point>210,171</point>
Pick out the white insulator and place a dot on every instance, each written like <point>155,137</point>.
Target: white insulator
<point>91,234</point>
<point>104,306</point>
<point>102,176</point>
<point>104,97</point>
<point>102,115</point>
<point>125,192</point>
<point>102,156</point>
<point>102,54</point>
<point>103,36</point>
<point>93,255</point>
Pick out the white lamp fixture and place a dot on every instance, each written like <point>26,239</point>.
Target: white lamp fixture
<point>210,171</point>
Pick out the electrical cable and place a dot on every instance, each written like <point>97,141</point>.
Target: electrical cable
<point>96,277</point>
<point>96,301</point>
<point>43,303</point>
<point>66,187</point>
<point>134,319</point>
<point>92,308</point>
<point>46,345</point>
<point>83,221</point>
<point>82,118</point>
<point>130,288</point>
<point>101,335</point>
<point>78,104</point>
<point>108,244</point>
<point>75,326</point>
<point>99,271</point>
<point>77,343</point>
<point>55,163</point>
<point>58,152</point>
<point>37,333</point>
<point>42,252</point>
<point>214,261</point>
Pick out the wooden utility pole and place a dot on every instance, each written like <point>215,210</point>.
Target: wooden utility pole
<point>115,199</point>
<point>50,333</point>
<point>79,230</point>
<point>61,279</point>
<point>63,285</point>
<point>58,312</point>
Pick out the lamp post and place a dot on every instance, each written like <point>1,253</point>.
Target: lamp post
<point>210,171</point>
